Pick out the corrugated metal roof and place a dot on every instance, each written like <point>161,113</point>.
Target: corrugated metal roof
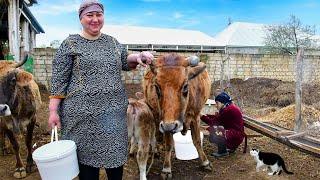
<point>29,16</point>
<point>242,34</point>
<point>157,36</point>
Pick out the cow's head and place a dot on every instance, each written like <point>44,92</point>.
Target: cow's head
<point>10,79</point>
<point>171,76</point>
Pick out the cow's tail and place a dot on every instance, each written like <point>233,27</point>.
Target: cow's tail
<point>245,143</point>
<point>152,158</point>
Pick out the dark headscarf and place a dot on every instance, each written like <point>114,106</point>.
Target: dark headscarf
<point>90,6</point>
<point>224,98</point>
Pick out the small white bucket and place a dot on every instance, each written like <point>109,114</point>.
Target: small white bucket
<point>57,160</point>
<point>183,146</point>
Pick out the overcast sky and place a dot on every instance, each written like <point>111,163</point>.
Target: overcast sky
<point>60,18</point>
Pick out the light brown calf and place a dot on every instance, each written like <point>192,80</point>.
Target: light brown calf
<point>141,132</point>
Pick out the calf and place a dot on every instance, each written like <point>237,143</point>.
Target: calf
<point>141,131</point>
<point>19,100</point>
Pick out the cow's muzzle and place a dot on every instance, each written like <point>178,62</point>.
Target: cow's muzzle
<point>4,110</point>
<point>172,127</point>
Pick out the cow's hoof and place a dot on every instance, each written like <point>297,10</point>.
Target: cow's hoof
<point>208,167</point>
<point>20,173</point>
<point>166,175</point>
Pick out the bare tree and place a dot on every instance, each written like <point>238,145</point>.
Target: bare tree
<point>55,44</point>
<point>289,37</point>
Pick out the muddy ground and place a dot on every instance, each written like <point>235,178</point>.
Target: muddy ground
<point>265,99</point>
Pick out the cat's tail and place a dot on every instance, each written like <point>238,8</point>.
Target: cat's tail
<point>281,163</point>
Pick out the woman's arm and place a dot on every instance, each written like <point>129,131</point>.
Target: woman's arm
<point>210,119</point>
<point>54,119</point>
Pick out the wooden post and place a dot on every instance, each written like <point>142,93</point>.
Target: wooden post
<point>298,93</point>
<point>13,21</point>
<point>33,43</point>
<point>222,74</point>
<point>25,36</point>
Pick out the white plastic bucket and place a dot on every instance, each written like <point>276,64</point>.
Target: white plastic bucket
<point>57,160</point>
<point>183,146</point>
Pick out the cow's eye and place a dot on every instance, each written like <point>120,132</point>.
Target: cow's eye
<point>13,81</point>
<point>185,90</point>
<point>158,90</point>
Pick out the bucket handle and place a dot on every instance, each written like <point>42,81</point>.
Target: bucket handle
<point>54,133</point>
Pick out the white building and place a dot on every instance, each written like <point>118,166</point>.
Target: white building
<point>161,39</point>
<point>248,38</point>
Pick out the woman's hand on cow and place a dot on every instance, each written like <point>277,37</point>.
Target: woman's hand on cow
<point>54,120</point>
<point>145,58</point>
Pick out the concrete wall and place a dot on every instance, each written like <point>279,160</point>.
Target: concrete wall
<point>236,66</point>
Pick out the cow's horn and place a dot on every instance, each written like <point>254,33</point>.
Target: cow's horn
<point>22,62</point>
<point>193,61</point>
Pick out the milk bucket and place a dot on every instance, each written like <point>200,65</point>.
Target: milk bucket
<point>183,146</point>
<point>57,160</point>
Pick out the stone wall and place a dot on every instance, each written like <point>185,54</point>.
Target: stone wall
<point>241,66</point>
<point>42,59</point>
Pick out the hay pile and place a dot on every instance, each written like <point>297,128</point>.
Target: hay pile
<point>285,117</point>
<point>314,129</point>
<point>264,92</point>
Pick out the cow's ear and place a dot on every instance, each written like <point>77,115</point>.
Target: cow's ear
<point>195,71</point>
<point>23,78</point>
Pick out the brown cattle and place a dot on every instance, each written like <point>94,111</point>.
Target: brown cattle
<point>19,99</point>
<point>176,91</point>
<point>141,131</point>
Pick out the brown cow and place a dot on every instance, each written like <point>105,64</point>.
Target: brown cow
<point>141,131</point>
<point>176,91</point>
<point>19,99</point>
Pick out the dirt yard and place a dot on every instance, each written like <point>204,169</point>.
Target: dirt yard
<point>265,99</point>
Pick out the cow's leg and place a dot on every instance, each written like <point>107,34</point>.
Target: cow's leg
<point>20,171</point>
<point>166,170</point>
<point>28,141</point>
<point>2,141</point>
<point>142,158</point>
<point>195,133</point>
<point>5,148</point>
<point>133,143</point>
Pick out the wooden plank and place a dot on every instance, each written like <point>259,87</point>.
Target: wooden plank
<point>312,139</point>
<point>295,135</point>
<point>275,134</point>
<point>305,146</point>
<point>284,132</point>
<point>260,128</point>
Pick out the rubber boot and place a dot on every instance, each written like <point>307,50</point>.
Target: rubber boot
<point>222,150</point>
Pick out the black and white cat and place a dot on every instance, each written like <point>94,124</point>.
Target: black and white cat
<point>269,160</point>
